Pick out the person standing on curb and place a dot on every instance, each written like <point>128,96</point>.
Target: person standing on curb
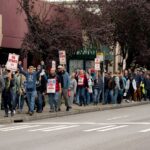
<point>73,87</point>
<point>65,84</point>
<point>31,77</point>
<point>53,90</point>
<point>2,85</point>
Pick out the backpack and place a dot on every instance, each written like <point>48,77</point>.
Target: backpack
<point>112,83</point>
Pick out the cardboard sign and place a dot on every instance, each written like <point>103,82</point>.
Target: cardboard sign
<point>54,64</point>
<point>97,64</point>
<point>12,63</point>
<point>81,80</point>
<point>100,56</point>
<point>62,57</point>
<point>51,86</point>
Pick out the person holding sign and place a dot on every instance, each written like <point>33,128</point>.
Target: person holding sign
<point>31,77</point>
<point>53,90</point>
<point>82,86</point>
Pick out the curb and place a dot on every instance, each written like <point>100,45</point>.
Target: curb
<point>26,118</point>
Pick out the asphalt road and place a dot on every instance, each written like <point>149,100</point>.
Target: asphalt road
<point>118,129</point>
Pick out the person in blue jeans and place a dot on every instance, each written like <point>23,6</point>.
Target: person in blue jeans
<point>82,86</point>
<point>31,78</point>
<point>97,88</point>
<point>41,89</point>
<point>53,90</point>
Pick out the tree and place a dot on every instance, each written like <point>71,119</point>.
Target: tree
<point>50,28</point>
<point>124,21</point>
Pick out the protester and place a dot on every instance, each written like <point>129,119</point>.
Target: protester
<point>97,88</point>
<point>55,90</point>
<point>31,77</point>
<point>73,87</point>
<point>82,86</point>
<point>65,84</point>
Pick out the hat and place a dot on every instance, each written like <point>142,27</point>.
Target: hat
<point>60,67</point>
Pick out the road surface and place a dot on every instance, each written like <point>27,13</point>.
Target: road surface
<point>118,129</point>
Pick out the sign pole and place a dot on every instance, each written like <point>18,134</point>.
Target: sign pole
<point>103,94</point>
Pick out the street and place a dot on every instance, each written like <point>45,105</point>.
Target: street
<point>118,129</point>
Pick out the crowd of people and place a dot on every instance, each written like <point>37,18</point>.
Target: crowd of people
<point>80,87</point>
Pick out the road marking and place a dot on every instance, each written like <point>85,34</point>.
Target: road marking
<point>41,129</point>
<point>18,128</point>
<point>61,128</point>
<point>119,117</point>
<point>144,131</point>
<point>98,128</point>
<point>87,123</point>
<point>113,128</point>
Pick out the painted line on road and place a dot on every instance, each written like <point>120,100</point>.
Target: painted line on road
<point>144,131</point>
<point>18,128</point>
<point>87,123</point>
<point>12,127</point>
<point>119,117</point>
<point>41,129</point>
<point>113,128</point>
<point>94,129</point>
<point>61,128</point>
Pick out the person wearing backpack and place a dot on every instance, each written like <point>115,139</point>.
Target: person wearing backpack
<point>114,87</point>
<point>31,77</point>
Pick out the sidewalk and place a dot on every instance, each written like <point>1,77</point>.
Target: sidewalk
<point>75,110</point>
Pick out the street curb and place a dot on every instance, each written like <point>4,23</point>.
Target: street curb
<point>26,118</point>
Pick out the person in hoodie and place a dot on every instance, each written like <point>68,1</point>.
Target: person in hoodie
<point>54,95</point>
<point>31,78</point>
<point>73,87</point>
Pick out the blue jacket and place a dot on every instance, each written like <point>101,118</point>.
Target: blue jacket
<point>66,80</point>
<point>30,79</point>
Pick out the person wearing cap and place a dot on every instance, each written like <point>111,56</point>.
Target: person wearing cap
<point>65,84</point>
<point>31,77</point>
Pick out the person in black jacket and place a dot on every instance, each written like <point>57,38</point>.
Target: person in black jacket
<point>147,86</point>
<point>41,89</point>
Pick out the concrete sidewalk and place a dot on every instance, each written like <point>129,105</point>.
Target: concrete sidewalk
<point>75,110</point>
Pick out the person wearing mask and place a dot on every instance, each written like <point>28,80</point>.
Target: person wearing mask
<point>31,77</point>
<point>65,84</point>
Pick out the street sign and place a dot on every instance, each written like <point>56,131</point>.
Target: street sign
<point>12,63</point>
<point>97,63</point>
<point>62,57</point>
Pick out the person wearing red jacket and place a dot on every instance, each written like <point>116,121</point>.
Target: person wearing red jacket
<point>82,85</point>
